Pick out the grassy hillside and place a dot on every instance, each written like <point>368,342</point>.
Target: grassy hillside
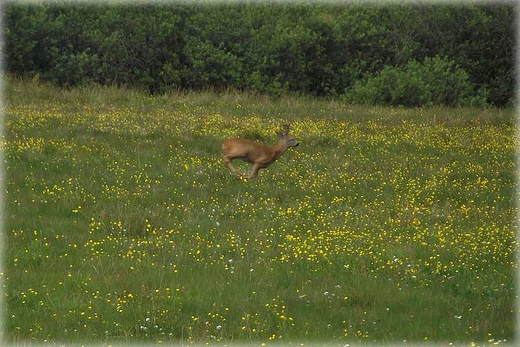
<point>385,224</point>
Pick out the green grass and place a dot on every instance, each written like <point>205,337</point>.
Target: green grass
<point>384,225</point>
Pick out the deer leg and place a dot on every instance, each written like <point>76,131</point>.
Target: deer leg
<point>229,165</point>
<point>254,171</point>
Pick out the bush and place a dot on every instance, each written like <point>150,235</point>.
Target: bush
<point>318,50</point>
<point>436,81</point>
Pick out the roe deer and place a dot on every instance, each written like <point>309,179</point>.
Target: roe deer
<point>258,155</point>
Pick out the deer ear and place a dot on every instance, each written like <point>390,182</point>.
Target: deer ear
<point>284,132</point>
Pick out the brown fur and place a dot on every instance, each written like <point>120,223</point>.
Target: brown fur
<point>257,154</point>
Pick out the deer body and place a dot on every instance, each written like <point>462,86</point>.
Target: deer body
<point>257,154</point>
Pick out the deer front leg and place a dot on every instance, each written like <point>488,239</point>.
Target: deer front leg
<point>254,171</point>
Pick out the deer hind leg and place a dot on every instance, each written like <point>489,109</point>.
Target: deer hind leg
<point>229,165</point>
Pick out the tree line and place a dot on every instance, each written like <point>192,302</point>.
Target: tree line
<point>377,54</point>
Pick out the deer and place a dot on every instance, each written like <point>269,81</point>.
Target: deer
<point>258,155</point>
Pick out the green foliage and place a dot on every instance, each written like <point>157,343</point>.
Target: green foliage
<point>274,49</point>
<point>436,81</point>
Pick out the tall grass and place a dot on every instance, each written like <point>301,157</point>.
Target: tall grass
<point>384,225</point>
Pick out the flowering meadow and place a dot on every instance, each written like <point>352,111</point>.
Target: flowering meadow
<point>121,223</point>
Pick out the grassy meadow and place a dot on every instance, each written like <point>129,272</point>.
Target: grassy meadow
<point>122,225</point>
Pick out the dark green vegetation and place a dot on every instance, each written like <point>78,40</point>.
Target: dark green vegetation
<point>384,225</point>
<point>376,54</point>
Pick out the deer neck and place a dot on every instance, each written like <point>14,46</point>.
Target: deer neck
<point>278,149</point>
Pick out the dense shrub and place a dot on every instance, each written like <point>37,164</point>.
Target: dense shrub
<point>320,50</point>
<point>436,81</point>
